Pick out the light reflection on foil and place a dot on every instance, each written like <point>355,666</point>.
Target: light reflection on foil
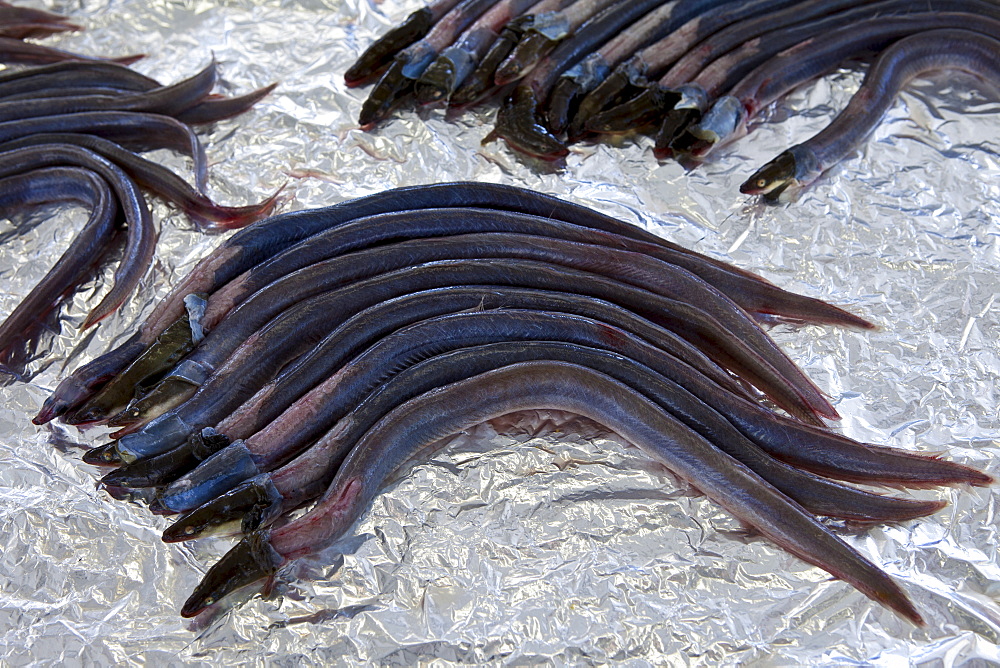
<point>550,542</point>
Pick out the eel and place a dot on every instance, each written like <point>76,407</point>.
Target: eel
<point>908,58</point>
<point>141,241</point>
<point>267,238</point>
<point>56,184</point>
<point>415,427</point>
<point>239,484</point>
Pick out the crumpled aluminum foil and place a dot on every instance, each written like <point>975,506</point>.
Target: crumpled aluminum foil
<point>542,539</point>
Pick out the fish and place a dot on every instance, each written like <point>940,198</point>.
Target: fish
<point>214,109</point>
<point>415,426</point>
<point>46,185</point>
<point>518,117</point>
<point>138,130</point>
<point>754,362</point>
<point>166,100</point>
<point>141,240</point>
<point>800,165</point>
<point>250,247</point>
<point>207,214</point>
<point>17,51</point>
<point>381,52</point>
<point>546,31</point>
<point>407,66</point>
<point>457,62</point>
<point>651,61</point>
<point>398,299</point>
<point>73,73</point>
<point>272,438</point>
<point>266,492</point>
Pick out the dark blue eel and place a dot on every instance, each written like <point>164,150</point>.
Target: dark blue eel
<point>417,427</point>
<point>253,245</point>
<point>47,185</point>
<point>229,487</point>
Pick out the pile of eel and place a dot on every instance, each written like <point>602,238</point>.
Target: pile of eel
<point>312,354</point>
<point>692,73</point>
<point>70,133</point>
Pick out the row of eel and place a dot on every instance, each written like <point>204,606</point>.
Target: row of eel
<point>313,354</point>
<point>693,73</point>
<point>69,134</point>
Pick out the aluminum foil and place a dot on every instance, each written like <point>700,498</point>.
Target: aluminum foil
<point>541,539</point>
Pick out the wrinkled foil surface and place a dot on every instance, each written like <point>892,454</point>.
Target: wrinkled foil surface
<point>540,538</point>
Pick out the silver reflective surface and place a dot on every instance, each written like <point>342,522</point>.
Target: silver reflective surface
<point>541,539</point>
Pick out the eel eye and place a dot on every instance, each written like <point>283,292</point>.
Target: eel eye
<point>761,183</point>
